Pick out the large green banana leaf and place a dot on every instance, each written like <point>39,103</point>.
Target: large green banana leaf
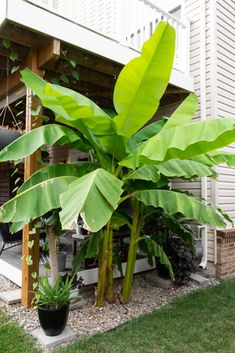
<point>71,103</point>
<point>94,197</point>
<point>220,157</point>
<point>186,169</point>
<point>173,202</point>
<point>84,107</point>
<point>184,113</point>
<point>143,81</point>
<point>216,158</point>
<point>28,143</point>
<point>174,168</point>
<point>75,110</point>
<point>102,126</point>
<point>147,132</point>
<point>35,201</point>
<point>57,170</point>
<point>147,172</point>
<point>183,142</point>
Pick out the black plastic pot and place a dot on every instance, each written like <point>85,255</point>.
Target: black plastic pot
<point>7,136</point>
<point>53,321</point>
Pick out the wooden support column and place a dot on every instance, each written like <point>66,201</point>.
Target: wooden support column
<point>30,166</point>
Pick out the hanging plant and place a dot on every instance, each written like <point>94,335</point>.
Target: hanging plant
<point>7,136</point>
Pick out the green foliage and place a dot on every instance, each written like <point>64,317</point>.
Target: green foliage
<point>174,168</point>
<point>185,169</point>
<point>98,188</point>
<point>183,142</point>
<point>53,296</point>
<point>148,131</point>
<point>28,143</point>
<point>147,172</point>
<point>6,43</point>
<point>184,113</point>
<point>44,196</point>
<point>172,202</point>
<point>141,83</point>
<point>77,169</point>
<point>78,111</point>
<point>119,145</point>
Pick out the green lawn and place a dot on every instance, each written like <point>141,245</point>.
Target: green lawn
<point>201,322</point>
<point>13,339</point>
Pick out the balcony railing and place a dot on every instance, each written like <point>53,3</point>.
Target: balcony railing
<point>129,22</point>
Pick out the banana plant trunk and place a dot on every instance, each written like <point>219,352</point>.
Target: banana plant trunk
<point>135,234</point>
<point>109,290</point>
<point>103,266</point>
<point>52,252</point>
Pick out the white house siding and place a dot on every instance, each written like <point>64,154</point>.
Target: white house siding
<point>220,85</point>
<point>192,11</point>
<point>225,13</point>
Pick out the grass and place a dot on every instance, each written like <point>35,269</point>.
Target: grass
<point>13,339</point>
<point>201,322</point>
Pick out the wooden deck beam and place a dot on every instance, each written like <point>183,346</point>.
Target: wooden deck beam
<point>48,53</point>
<point>92,61</point>
<point>22,35</point>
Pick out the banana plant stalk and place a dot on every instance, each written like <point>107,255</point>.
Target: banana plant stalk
<point>135,235</point>
<point>103,265</point>
<point>109,290</point>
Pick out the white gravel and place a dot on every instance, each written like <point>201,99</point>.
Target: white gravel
<point>89,320</point>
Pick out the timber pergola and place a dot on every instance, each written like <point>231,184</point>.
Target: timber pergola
<point>49,57</point>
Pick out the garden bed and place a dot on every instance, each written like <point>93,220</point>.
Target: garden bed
<point>90,320</point>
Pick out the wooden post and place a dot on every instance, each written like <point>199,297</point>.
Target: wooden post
<point>30,166</point>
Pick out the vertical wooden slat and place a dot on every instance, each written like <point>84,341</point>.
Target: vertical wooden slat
<point>30,166</point>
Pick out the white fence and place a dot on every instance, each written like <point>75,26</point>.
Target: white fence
<point>129,22</point>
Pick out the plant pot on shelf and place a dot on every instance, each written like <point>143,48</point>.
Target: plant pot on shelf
<point>53,320</point>
<point>7,136</point>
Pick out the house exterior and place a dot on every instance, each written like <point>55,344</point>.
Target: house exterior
<point>104,35</point>
<point>212,65</point>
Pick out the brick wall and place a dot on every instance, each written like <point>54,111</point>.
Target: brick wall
<point>225,267</point>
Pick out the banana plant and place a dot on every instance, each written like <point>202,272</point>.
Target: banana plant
<point>132,161</point>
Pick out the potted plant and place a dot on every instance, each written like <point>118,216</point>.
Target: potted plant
<point>52,302</point>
